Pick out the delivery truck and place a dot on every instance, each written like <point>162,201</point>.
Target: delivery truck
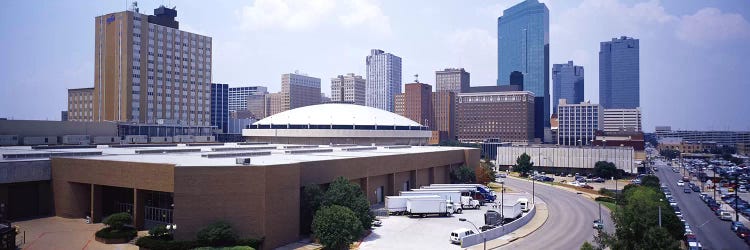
<point>451,196</point>
<point>396,205</point>
<point>487,194</point>
<point>511,210</point>
<point>425,207</point>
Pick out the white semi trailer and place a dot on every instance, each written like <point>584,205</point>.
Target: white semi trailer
<point>397,204</point>
<point>425,207</point>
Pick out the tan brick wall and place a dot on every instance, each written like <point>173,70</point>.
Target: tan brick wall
<point>157,177</point>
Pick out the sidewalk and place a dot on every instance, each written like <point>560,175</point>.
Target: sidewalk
<point>539,219</point>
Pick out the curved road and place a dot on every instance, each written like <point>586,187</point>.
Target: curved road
<point>570,218</point>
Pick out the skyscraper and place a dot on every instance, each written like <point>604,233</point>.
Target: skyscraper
<point>80,104</point>
<point>220,106</point>
<point>299,90</point>
<point>567,83</point>
<point>523,45</point>
<point>238,96</point>
<point>453,80</point>
<point>619,74</point>
<point>147,69</point>
<point>349,88</point>
<point>418,103</point>
<point>383,79</point>
<point>577,122</point>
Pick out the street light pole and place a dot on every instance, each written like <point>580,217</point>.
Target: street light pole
<point>660,200</point>
<point>475,227</point>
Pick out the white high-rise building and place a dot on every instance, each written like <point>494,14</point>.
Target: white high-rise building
<point>577,122</point>
<point>616,120</point>
<point>383,79</point>
<point>349,88</point>
<point>238,96</point>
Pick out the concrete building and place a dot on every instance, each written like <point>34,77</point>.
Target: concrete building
<point>299,91</point>
<point>349,88</point>
<point>615,120</point>
<point>324,98</point>
<point>503,88</point>
<point>64,116</point>
<point>338,123</point>
<point>567,83</point>
<point>257,106</point>
<point>523,46</point>
<point>685,146</point>
<point>444,109</point>
<point>383,79</point>
<point>619,73</point>
<point>418,104</point>
<point>455,80</point>
<point>633,139</point>
<point>728,138</point>
<point>274,104</point>
<point>577,123</point>
<point>399,104</point>
<point>551,158</point>
<point>147,69</point>
<point>220,106</point>
<point>238,96</point>
<point>81,104</point>
<point>505,116</point>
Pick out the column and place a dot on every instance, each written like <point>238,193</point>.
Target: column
<point>96,203</point>
<point>138,208</point>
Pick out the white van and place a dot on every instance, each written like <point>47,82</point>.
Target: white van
<point>525,206</point>
<point>459,234</point>
<point>725,215</point>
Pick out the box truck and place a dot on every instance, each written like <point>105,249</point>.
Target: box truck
<point>424,207</point>
<point>512,210</point>
<point>486,192</point>
<point>397,204</point>
<point>449,195</point>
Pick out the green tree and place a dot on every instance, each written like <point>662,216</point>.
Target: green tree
<point>343,193</point>
<point>587,246</point>
<point>463,174</point>
<point>312,198</point>
<point>117,221</point>
<point>651,181</point>
<point>523,165</point>
<point>640,213</point>
<point>659,238</point>
<point>217,234</point>
<point>336,227</point>
<point>606,170</point>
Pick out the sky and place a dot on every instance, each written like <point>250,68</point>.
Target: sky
<point>693,52</point>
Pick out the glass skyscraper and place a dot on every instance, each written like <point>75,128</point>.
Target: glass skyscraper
<point>220,106</point>
<point>567,83</point>
<point>619,74</point>
<point>523,45</point>
<point>383,81</point>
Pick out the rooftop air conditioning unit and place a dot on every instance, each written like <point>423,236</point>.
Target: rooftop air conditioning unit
<point>243,161</point>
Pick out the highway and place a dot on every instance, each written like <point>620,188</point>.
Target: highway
<point>570,218</point>
<point>712,232</point>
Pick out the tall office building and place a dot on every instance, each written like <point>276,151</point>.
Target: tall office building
<point>453,80</point>
<point>238,96</point>
<point>399,103</point>
<point>220,106</point>
<point>577,122</point>
<point>496,116</point>
<point>567,83</point>
<point>274,104</point>
<point>444,110</point>
<point>81,104</point>
<point>619,73</point>
<point>383,79</point>
<point>257,106</point>
<point>147,69</point>
<point>299,91</point>
<point>622,120</point>
<point>523,46</point>
<point>349,88</point>
<point>418,103</point>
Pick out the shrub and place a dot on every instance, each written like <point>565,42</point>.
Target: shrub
<point>254,243</point>
<point>117,221</point>
<point>111,233</point>
<point>336,227</point>
<point>605,199</point>
<point>158,231</point>
<point>154,243</point>
<point>218,234</point>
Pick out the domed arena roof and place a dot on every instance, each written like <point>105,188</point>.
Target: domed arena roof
<point>338,114</point>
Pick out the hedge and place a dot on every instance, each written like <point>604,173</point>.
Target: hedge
<point>152,242</point>
<point>110,233</point>
<point>605,199</point>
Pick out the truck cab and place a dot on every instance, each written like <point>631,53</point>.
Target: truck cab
<point>525,206</point>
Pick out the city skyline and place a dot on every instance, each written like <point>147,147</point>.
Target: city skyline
<point>684,31</point>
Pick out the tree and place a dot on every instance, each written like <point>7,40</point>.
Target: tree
<point>217,234</point>
<point>336,227</point>
<point>639,214</point>
<point>650,181</point>
<point>343,193</point>
<point>463,174</point>
<point>658,238</point>
<point>606,170</point>
<point>117,221</point>
<point>587,246</point>
<point>523,165</point>
<point>486,172</point>
<point>312,198</point>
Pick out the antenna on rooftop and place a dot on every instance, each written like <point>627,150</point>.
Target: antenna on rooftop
<point>416,77</point>
<point>134,6</point>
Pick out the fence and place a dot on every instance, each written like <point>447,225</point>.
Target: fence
<point>498,231</point>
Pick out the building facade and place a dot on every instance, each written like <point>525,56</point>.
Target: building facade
<point>567,83</point>
<point>220,106</point>
<point>523,46</point>
<point>81,105</point>
<point>506,116</point>
<point>383,79</point>
<point>418,103</point>
<point>577,123</point>
<point>444,109</point>
<point>455,80</point>
<point>553,158</point>
<point>238,96</point>
<point>349,88</point>
<point>728,138</point>
<point>299,90</point>
<point>274,104</point>
<point>685,146</point>
<point>147,69</point>
<point>615,120</point>
<point>257,106</point>
<point>399,103</point>
<point>619,73</point>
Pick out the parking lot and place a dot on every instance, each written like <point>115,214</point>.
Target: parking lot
<point>608,184</point>
<point>404,232</point>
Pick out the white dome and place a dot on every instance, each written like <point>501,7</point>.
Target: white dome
<point>337,114</point>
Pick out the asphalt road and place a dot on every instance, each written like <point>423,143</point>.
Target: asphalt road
<point>570,218</point>
<point>712,232</point>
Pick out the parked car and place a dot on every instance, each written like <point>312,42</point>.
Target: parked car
<point>696,188</point>
<point>725,215</point>
<point>502,175</point>
<point>458,235</point>
<point>598,224</point>
<point>742,232</point>
<point>687,190</point>
<point>735,225</point>
<point>680,183</point>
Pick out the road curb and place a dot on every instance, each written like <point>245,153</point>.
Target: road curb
<point>541,214</point>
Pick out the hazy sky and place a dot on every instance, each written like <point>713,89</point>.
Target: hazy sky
<point>694,54</point>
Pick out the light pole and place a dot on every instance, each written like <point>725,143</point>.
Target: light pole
<point>475,227</point>
<point>660,201</point>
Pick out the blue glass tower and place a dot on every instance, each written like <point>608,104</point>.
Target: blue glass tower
<point>523,45</point>
<point>567,83</point>
<point>619,74</point>
<point>220,106</point>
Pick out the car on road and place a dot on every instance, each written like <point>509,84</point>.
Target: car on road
<point>687,190</point>
<point>680,183</point>
<point>735,225</point>
<point>502,175</point>
<point>725,215</point>
<point>459,234</point>
<point>742,232</point>
<point>696,188</point>
<point>598,224</point>
<point>695,245</point>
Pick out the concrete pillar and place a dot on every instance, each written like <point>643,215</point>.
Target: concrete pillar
<point>392,184</point>
<point>96,203</point>
<point>369,192</point>
<point>413,179</point>
<point>431,176</point>
<point>138,208</point>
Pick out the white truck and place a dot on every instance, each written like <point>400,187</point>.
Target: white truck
<point>525,206</point>
<point>397,204</point>
<point>512,210</point>
<point>455,196</point>
<point>424,207</point>
<point>480,192</point>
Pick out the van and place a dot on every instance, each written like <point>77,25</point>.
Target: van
<point>725,215</point>
<point>459,234</point>
<point>524,204</point>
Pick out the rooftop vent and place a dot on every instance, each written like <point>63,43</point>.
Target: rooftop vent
<point>397,146</point>
<point>307,151</point>
<point>300,146</point>
<point>167,150</point>
<point>359,149</point>
<point>235,154</point>
<point>243,161</point>
<point>224,149</point>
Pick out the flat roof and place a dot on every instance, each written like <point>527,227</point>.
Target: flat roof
<point>187,156</point>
